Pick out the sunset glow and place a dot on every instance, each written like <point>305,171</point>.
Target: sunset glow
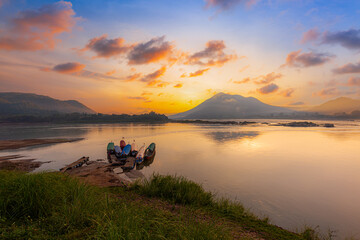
<point>169,56</point>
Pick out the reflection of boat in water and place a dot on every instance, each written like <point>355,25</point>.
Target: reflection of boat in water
<point>145,163</point>
<point>127,157</point>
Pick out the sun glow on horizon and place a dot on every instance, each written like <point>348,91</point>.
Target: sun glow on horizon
<point>135,58</point>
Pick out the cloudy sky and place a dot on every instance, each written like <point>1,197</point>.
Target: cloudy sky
<point>137,55</point>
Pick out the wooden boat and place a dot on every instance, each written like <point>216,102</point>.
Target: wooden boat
<point>140,155</point>
<point>113,159</point>
<point>129,164</point>
<point>122,144</point>
<point>110,147</point>
<point>150,151</point>
<point>110,150</point>
<point>117,150</point>
<point>133,152</point>
<point>133,146</point>
<point>126,150</point>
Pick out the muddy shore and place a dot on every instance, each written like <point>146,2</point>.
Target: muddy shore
<point>15,144</point>
<point>18,163</point>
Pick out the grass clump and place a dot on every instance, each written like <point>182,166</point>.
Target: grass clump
<point>179,190</point>
<point>175,189</point>
<point>56,206</point>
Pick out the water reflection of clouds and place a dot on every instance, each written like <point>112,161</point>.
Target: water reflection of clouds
<point>231,136</point>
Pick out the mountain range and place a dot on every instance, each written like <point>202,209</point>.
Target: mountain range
<point>220,106</point>
<point>337,106</point>
<point>227,106</point>
<point>13,103</point>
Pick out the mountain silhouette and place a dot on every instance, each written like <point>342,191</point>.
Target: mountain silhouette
<point>13,103</point>
<point>227,106</point>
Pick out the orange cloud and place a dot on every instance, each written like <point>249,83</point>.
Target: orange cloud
<point>162,84</point>
<point>68,68</point>
<point>112,72</point>
<point>77,69</point>
<point>287,92</point>
<point>309,36</point>
<point>348,68</point>
<point>353,81</point>
<point>179,85</point>
<point>263,79</point>
<point>272,87</point>
<point>153,83</point>
<point>268,78</point>
<point>152,51</point>
<point>146,93</point>
<point>245,80</point>
<point>157,83</point>
<point>327,92</point>
<point>212,55</point>
<point>133,77</point>
<point>298,59</point>
<point>106,48</point>
<point>155,50</point>
<point>37,29</point>
<point>198,72</point>
<point>155,75</point>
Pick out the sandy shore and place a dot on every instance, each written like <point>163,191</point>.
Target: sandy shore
<point>15,144</point>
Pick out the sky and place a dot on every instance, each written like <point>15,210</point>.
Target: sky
<point>165,56</point>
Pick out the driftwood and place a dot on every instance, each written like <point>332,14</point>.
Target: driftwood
<point>75,164</point>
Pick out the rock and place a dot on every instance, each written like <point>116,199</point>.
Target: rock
<point>329,125</point>
<point>246,123</point>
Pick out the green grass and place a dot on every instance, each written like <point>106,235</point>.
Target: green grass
<point>175,189</point>
<point>56,206</point>
<point>182,191</point>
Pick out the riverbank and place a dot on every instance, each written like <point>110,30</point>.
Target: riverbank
<point>164,207</point>
<point>16,144</point>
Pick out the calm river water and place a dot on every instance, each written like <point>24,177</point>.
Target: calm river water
<point>295,176</point>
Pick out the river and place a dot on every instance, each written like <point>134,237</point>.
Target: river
<point>295,176</point>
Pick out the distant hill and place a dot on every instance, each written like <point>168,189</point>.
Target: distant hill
<point>12,103</point>
<point>337,106</point>
<point>226,106</point>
